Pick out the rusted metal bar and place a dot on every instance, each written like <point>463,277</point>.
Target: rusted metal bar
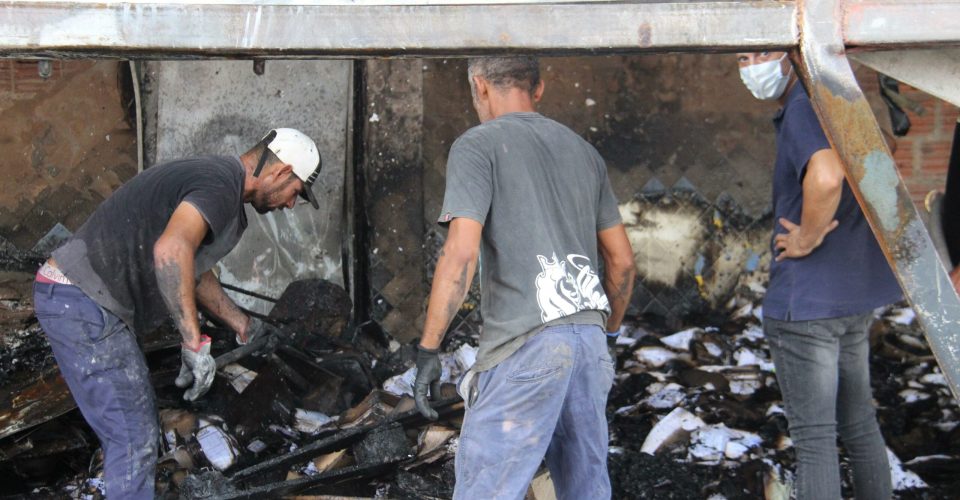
<point>279,29</point>
<point>874,179</point>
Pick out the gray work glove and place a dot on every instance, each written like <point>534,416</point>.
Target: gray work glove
<point>197,368</point>
<point>257,329</point>
<point>428,376</point>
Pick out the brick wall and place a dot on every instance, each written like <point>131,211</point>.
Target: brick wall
<point>922,155</point>
<point>66,144</point>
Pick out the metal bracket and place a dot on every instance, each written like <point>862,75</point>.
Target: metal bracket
<point>872,174</point>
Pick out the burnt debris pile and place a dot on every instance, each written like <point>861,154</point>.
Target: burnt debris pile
<point>326,409</point>
<point>695,411</point>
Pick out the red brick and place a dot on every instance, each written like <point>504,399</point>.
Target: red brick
<point>904,153</point>
<point>6,74</point>
<point>936,148</point>
<point>922,125</point>
<point>948,120</point>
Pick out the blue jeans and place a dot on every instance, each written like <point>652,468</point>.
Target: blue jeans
<point>824,374</point>
<point>546,399</point>
<point>108,378</point>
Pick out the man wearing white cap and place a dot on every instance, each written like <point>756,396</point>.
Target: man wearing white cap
<point>144,255</point>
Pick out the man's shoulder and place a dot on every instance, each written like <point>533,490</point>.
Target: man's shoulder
<point>798,105</point>
<point>217,169</point>
<point>519,127</point>
<point>800,122</point>
<point>205,163</point>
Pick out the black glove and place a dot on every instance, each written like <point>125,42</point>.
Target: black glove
<point>258,329</point>
<point>197,368</point>
<point>612,342</point>
<point>428,376</point>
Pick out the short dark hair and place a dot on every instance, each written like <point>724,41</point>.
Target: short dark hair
<point>522,72</point>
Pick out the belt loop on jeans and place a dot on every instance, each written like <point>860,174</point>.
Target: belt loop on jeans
<point>44,288</point>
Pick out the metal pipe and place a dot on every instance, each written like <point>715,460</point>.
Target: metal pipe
<point>135,76</point>
<point>873,177</point>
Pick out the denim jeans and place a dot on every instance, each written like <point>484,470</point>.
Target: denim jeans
<point>107,374</point>
<point>824,375</point>
<point>546,399</point>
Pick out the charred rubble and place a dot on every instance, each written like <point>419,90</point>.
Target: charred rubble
<point>695,412</point>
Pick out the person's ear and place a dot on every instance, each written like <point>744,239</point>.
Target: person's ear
<point>538,92</point>
<point>483,90</point>
<point>282,171</point>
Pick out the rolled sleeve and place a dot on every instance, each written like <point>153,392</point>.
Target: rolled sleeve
<point>469,190</point>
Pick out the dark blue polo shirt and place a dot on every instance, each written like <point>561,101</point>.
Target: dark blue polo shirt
<point>847,274</point>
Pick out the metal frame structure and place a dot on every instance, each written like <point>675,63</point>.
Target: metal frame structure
<point>817,32</point>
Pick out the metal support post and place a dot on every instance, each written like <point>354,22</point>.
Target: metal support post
<point>872,174</point>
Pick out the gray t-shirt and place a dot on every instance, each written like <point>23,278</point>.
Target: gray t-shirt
<point>110,257</point>
<point>542,194</point>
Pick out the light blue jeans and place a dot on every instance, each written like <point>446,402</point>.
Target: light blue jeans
<point>548,399</point>
<point>824,374</point>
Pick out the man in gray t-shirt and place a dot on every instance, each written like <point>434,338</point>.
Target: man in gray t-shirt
<point>534,199</point>
<point>145,255</point>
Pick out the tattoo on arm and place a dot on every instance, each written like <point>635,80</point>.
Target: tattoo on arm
<point>624,288</point>
<point>456,300</point>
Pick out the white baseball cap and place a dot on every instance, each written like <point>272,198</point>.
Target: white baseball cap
<point>293,147</point>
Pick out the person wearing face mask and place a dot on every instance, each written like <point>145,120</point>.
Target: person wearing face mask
<point>827,277</point>
<point>145,255</point>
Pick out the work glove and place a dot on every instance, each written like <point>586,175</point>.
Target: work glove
<point>197,368</point>
<point>257,329</point>
<point>428,376</point>
<point>612,341</point>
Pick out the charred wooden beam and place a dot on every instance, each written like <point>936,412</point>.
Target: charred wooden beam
<point>342,439</point>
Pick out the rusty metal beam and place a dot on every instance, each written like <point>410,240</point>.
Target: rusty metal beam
<point>350,29</point>
<point>874,179</point>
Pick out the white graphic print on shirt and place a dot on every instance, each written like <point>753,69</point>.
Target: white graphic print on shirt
<point>560,293</point>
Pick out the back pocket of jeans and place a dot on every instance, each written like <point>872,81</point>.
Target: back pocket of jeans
<point>609,368</point>
<point>533,374</point>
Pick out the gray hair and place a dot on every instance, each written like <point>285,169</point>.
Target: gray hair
<point>522,72</point>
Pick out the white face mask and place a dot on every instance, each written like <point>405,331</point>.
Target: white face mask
<point>765,80</point>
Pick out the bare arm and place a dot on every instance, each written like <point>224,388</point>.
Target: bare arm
<point>173,255</point>
<point>619,272</point>
<point>822,187</point>
<point>451,279</point>
<point>214,300</point>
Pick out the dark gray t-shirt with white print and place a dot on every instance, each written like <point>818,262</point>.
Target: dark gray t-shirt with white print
<point>542,194</point>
